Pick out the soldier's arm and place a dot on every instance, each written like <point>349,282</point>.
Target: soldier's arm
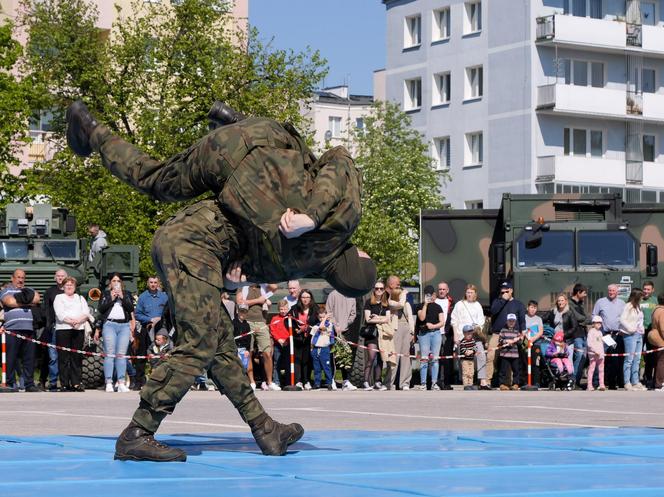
<point>329,187</point>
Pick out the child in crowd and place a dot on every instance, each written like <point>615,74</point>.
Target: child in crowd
<point>509,353</point>
<point>534,331</point>
<point>281,341</point>
<point>161,347</point>
<point>241,331</point>
<point>322,337</point>
<point>596,353</point>
<point>559,354</point>
<point>467,356</point>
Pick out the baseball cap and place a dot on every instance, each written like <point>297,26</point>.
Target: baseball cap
<point>511,316</point>
<point>243,307</point>
<point>469,328</point>
<point>506,285</point>
<point>597,319</point>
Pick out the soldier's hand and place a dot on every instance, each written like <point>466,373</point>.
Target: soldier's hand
<point>293,225</point>
<point>234,277</point>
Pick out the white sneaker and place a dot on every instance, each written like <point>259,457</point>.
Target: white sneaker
<point>629,387</point>
<point>661,389</point>
<point>640,387</point>
<point>380,386</point>
<point>435,387</point>
<point>333,385</point>
<point>274,387</point>
<point>307,386</point>
<point>405,388</point>
<point>421,387</point>
<point>366,386</point>
<point>122,387</point>
<point>299,385</point>
<point>264,387</point>
<point>109,387</point>
<point>348,386</point>
<point>253,386</point>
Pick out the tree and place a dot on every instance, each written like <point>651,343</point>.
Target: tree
<point>14,111</point>
<point>399,180</point>
<point>151,80</point>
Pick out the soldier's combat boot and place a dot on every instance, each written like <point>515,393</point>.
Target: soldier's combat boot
<point>138,444</point>
<point>274,438</point>
<point>80,125</point>
<point>221,114</point>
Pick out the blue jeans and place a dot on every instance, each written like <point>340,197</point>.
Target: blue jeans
<point>116,340</point>
<point>633,349</point>
<point>52,363</point>
<point>320,357</point>
<point>430,344</point>
<point>579,358</point>
<point>276,357</point>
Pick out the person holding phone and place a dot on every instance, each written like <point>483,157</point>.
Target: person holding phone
<point>116,308</point>
<point>430,320</point>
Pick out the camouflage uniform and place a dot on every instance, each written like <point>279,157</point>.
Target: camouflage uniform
<point>256,169</point>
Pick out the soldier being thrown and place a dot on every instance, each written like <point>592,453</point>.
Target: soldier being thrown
<point>278,214</point>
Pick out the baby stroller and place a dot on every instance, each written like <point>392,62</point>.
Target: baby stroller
<point>557,379</point>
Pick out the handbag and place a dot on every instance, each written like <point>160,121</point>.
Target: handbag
<point>370,331</point>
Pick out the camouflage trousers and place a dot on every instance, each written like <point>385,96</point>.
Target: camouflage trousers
<point>189,251</point>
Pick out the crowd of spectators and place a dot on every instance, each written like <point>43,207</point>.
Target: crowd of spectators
<point>453,342</point>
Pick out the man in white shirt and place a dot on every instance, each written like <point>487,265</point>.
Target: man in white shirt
<point>293,293</point>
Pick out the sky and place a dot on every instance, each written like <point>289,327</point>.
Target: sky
<point>350,34</point>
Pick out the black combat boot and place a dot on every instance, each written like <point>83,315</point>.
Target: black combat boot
<point>80,125</point>
<point>138,444</point>
<point>221,114</point>
<point>274,438</point>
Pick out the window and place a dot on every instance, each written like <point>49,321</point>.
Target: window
<point>441,24</point>
<point>442,84</point>
<point>581,72</point>
<point>649,148</point>
<point>474,82</point>
<point>442,153</point>
<point>473,21</point>
<point>412,31</point>
<point>597,74</point>
<point>606,248</point>
<point>584,8</point>
<point>648,83</point>
<point>556,249</point>
<point>474,149</point>
<point>583,142</point>
<point>648,13</point>
<point>40,123</point>
<point>413,94</point>
<point>334,125</point>
<point>474,204</point>
<point>359,123</point>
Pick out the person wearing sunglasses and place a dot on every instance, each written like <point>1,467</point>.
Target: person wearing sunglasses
<point>501,306</point>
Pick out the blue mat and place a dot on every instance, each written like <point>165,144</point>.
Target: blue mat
<point>543,462</point>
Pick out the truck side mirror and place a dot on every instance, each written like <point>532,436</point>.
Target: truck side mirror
<point>651,260</point>
<point>498,259</point>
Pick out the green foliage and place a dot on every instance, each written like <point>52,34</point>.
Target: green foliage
<point>399,181</point>
<point>14,111</point>
<point>151,79</point>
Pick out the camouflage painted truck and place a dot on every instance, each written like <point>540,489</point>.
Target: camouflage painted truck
<point>544,244</point>
<point>41,239</point>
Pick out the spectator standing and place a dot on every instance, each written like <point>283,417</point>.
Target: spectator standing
<point>448,344</point>
<point>280,342</point>
<point>228,304</point>
<point>469,312</point>
<point>610,309</point>
<point>241,330</point>
<point>149,309</point>
<point>656,339</point>
<point>376,312</point>
<point>17,302</point>
<point>344,312</point>
<point>98,241</point>
<point>467,355</point>
<point>501,306</point>
<point>293,293</point>
<point>430,320</point>
<point>161,347</point>
<point>403,324</point>
<point>49,329</point>
<point>648,305</point>
<point>71,314</point>
<point>578,337</point>
<point>631,328</point>
<point>534,331</point>
<point>305,313</point>
<point>116,308</point>
<point>561,318</point>
<point>322,337</point>
<point>596,353</point>
<point>508,338</point>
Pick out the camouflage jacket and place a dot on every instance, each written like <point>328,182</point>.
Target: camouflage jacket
<point>257,168</point>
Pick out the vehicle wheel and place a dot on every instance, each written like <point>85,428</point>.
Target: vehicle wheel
<point>92,373</point>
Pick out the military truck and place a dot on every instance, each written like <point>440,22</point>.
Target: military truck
<point>544,244</point>
<point>41,239</point>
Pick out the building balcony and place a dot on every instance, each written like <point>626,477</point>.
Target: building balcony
<point>582,100</point>
<point>653,40</point>
<point>588,170</point>
<point>653,106</point>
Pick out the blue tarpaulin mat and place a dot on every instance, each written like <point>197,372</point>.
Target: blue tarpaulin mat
<point>542,462</point>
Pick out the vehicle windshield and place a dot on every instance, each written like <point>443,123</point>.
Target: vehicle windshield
<point>556,249</point>
<point>12,250</point>
<point>56,249</point>
<point>606,248</point>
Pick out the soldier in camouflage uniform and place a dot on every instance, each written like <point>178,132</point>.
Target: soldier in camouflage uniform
<point>278,214</point>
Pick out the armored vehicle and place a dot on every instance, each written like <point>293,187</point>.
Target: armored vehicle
<point>41,239</point>
<point>544,244</point>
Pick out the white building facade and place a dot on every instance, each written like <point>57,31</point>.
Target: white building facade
<point>528,96</point>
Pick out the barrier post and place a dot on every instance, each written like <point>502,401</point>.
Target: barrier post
<point>530,386</point>
<point>3,339</point>
<point>291,387</point>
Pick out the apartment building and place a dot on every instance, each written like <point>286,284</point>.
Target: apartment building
<point>333,114</point>
<point>41,148</point>
<point>529,96</point>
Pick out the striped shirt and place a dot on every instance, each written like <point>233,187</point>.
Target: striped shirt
<point>16,318</point>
